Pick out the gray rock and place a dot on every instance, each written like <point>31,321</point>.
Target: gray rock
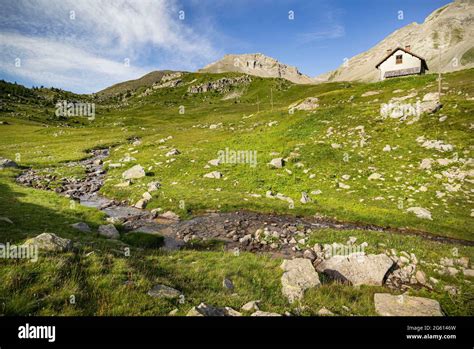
<point>153,186</point>
<point>421,277</point>
<point>305,198</point>
<point>204,309</point>
<point>469,272</point>
<point>214,162</point>
<point>389,305</point>
<point>451,271</point>
<point>163,291</point>
<point>325,312</point>
<point>49,242</point>
<point>109,231</point>
<point>357,269</point>
<point>141,204</point>
<point>277,163</point>
<point>170,215</point>
<point>264,313</point>
<point>173,152</point>
<point>309,254</point>
<point>245,239</point>
<point>299,275</point>
<point>147,196</point>
<point>134,172</point>
<point>447,262</point>
<point>452,290</point>
<point>228,284</point>
<point>251,306</point>
<point>4,163</point>
<point>81,226</point>
<point>420,212</point>
<point>213,175</point>
<point>463,262</point>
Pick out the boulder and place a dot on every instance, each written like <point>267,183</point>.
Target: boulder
<point>141,204</point>
<point>81,226</point>
<point>469,272</point>
<point>147,196</point>
<point>276,163</point>
<point>163,291</point>
<point>389,305</point>
<point>420,212</point>
<point>173,152</point>
<point>134,172</point>
<point>4,163</point>
<point>251,306</point>
<point>109,231</point>
<point>170,215</point>
<point>357,269</point>
<point>204,309</point>
<point>214,162</point>
<point>374,176</point>
<point>426,164</point>
<point>153,186</point>
<point>264,313</point>
<point>343,185</point>
<point>228,284</point>
<point>432,96</point>
<point>325,312</point>
<point>299,275</point>
<point>49,242</point>
<point>305,198</point>
<point>213,174</point>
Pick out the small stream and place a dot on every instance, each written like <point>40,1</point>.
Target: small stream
<point>228,227</point>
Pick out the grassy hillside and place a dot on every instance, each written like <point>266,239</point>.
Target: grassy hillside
<point>308,138</point>
<point>342,141</point>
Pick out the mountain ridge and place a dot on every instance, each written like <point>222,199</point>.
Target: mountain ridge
<point>257,64</point>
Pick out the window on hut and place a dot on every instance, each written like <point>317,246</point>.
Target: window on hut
<point>399,59</point>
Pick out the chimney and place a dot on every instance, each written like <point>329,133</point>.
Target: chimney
<point>389,51</point>
<point>408,47</point>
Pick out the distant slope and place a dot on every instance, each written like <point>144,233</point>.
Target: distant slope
<point>259,65</point>
<point>130,85</point>
<point>450,28</point>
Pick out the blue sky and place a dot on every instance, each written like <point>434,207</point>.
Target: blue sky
<point>87,45</point>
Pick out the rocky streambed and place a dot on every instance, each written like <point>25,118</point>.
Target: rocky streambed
<point>282,235</point>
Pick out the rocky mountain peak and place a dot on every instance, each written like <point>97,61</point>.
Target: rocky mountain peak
<point>257,64</point>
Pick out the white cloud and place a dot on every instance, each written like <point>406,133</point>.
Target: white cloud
<point>334,32</point>
<point>87,53</point>
<point>50,63</point>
